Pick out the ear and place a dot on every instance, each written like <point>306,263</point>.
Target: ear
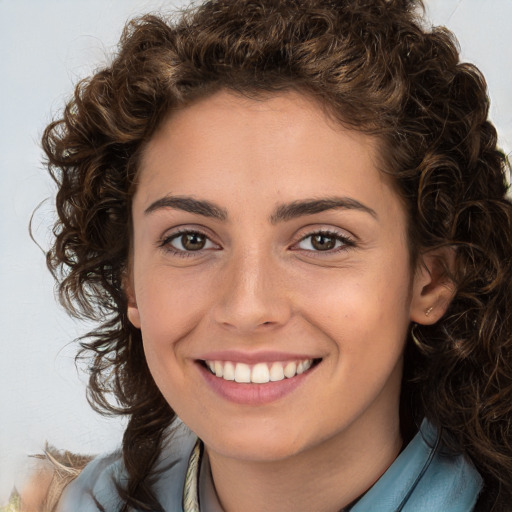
<point>132,310</point>
<point>433,289</point>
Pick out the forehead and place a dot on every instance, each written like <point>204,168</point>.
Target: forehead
<point>282,145</point>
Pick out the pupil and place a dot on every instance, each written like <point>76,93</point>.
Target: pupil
<point>193,241</point>
<point>323,242</point>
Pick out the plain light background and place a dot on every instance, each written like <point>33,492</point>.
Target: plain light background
<point>46,46</point>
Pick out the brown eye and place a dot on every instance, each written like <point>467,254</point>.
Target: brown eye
<point>192,241</point>
<point>185,243</point>
<point>323,242</point>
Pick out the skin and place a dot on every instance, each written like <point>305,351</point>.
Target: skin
<point>259,285</point>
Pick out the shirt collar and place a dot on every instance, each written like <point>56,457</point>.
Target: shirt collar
<point>422,478</point>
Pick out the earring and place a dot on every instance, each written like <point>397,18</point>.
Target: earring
<point>429,310</point>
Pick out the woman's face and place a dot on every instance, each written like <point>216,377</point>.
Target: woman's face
<point>268,249</point>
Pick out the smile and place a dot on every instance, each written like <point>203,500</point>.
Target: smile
<point>255,379</point>
<point>259,373</point>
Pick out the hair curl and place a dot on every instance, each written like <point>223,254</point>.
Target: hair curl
<point>377,70</point>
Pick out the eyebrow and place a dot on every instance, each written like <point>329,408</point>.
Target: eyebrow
<point>296,209</point>
<point>282,213</point>
<point>188,204</point>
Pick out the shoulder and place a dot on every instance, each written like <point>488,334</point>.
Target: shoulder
<point>97,478</point>
<point>424,478</point>
<point>96,486</point>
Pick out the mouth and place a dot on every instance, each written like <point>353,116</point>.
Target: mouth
<point>260,372</point>
<point>256,379</point>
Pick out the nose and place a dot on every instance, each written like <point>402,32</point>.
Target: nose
<point>252,295</point>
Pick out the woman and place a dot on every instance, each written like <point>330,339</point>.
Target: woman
<point>289,219</point>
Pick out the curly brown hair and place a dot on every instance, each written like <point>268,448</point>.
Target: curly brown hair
<point>378,70</point>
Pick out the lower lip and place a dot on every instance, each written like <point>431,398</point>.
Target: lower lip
<point>250,393</point>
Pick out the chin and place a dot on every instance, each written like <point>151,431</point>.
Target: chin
<point>263,443</point>
<point>256,449</point>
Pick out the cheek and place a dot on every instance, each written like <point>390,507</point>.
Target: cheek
<point>170,305</point>
<point>362,300</point>
<point>170,309</point>
<point>365,314</point>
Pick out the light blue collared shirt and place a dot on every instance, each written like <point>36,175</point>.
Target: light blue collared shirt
<point>422,479</point>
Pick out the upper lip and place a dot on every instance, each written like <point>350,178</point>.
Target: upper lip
<point>254,357</point>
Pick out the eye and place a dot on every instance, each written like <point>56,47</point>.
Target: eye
<point>187,241</point>
<point>324,241</point>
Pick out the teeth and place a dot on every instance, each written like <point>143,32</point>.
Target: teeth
<point>228,372</point>
<point>260,373</point>
<point>290,369</point>
<point>242,372</point>
<point>219,369</point>
<point>276,372</point>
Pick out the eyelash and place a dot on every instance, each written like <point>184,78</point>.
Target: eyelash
<point>346,241</point>
<point>165,243</point>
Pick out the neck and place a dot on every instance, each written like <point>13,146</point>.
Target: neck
<point>325,478</point>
